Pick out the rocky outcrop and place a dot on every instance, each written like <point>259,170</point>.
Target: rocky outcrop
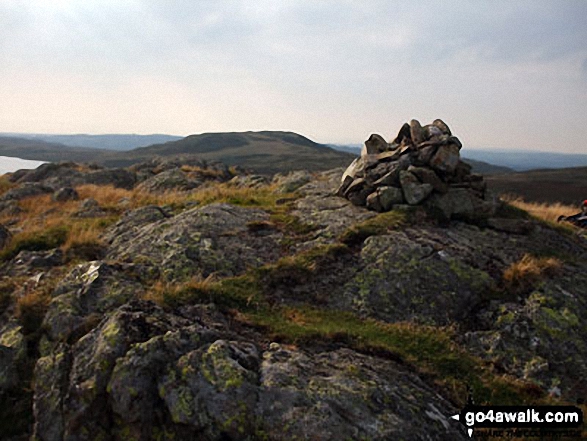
<point>215,239</point>
<point>421,166</point>
<point>143,371</point>
<point>303,316</point>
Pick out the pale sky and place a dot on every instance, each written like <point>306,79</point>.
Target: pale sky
<point>500,73</point>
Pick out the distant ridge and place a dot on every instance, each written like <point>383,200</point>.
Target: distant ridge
<point>264,152</point>
<point>119,142</point>
<point>38,150</point>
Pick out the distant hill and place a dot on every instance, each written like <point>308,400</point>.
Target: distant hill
<point>265,152</point>
<point>567,185</point>
<point>108,142</point>
<point>523,160</point>
<point>44,151</point>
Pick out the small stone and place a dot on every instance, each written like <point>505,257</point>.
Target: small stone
<point>427,176</point>
<point>431,132</point>
<point>355,169</point>
<point>416,132</point>
<point>446,159</point>
<point>414,191</point>
<point>65,194</point>
<point>426,153</point>
<point>358,191</point>
<point>347,181</point>
<point>374,145</point>
<point>454,140</point>
<point>373,202</point>
<point>390,196</point>
<point>404,134</point>
<point>442,126</point>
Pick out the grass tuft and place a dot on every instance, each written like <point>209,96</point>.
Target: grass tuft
<point>380,224</point>
<point>35,240</point>
<point>524,275</point>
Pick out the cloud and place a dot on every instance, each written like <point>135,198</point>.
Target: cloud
<point>326,68</point>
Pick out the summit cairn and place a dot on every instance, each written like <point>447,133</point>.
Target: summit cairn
<point>421,166</point>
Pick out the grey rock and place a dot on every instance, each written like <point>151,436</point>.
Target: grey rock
<point>446,159</point>
<point>250,181</point>
<point>427,176</point>
<point>65,194</point>
<point>374,145</point>
<point>414,192</point>
<point>168,180</point>
<point>389,196</point>
<point>356,397</point>
<point>90,288</point>
<point>431,132</point>
<point>26,190</point>
<point>404,135</point>
<point>454,140</point>
<point>13,353</point>
<point>416,132</point>
<point>117,177</point>
<point>292,181</point>
<point>90,208</point>
<point>513,226</point>
<point>51,378</point>
<point>346,182</point>
<point>460,203</point>
<point>385,288</point>
<point>442,126</point>
<point>198,242</point>
<point>358,191</point>
<point>355,169</point>
<point>373,203</point>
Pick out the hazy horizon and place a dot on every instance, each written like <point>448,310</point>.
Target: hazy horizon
<point>502,74</point>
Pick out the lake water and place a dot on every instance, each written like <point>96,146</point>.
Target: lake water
<point>8,165</point>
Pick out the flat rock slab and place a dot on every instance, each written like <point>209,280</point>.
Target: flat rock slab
<point>214,239</point>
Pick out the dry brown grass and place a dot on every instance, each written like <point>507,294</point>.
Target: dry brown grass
<point>171,294</point>
<point>201,171</point>
<point>31,308</point>
<point>524,275</point>
<point>547,212</point>
<point>5,184</point>
<point>42,218</point>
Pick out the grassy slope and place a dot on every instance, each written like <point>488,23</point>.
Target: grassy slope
<point>264,152</point>
<point>44,151</point>
<point>566,186</point>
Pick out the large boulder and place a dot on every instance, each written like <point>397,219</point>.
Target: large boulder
<point>143,371</point>
<point>214,239</point>
<point>26,190</point>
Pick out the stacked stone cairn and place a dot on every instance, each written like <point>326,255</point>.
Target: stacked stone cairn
<point>422,166</point>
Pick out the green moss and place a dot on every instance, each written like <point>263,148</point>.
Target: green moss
<point>429,349</point>
<point>111,333</point>
<point>220,370</point>
<point>291,225</point>
<point>380,224</point>
<point>47,239</point>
